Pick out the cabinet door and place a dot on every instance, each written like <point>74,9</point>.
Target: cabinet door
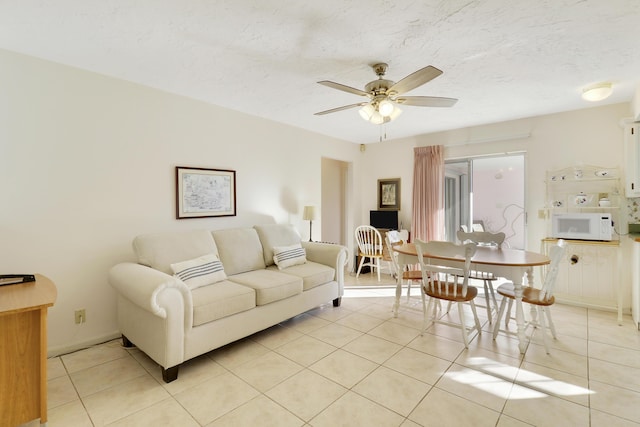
<point>632,154</point>
<point>588,275</point>
<point>598,270</point>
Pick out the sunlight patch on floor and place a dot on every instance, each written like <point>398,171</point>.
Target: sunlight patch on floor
<point>493,377</point>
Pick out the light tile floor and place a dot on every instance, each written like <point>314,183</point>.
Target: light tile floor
<point>357,365</point>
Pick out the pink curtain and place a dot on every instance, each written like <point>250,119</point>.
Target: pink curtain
<point>428,193</point>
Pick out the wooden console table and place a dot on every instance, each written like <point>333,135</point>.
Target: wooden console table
<point>23,350</point>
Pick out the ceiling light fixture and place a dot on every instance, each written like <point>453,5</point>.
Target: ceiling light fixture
<point>597,92</point>
<point>386,107</point>
<point>380,112</point>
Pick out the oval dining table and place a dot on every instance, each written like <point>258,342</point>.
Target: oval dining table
<point>512,264</point>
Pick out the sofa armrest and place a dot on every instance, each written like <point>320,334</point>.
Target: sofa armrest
<point>334,256</point>
<point>144,286</point>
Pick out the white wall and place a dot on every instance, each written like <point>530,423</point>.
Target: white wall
<point>88,162</point>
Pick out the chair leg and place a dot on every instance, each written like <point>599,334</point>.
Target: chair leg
<point>475,317</point>
<point>486,297</point>
<point>547,311</point>
<point>543,329</point>
<point>496,326</point>
<point>493,295</point>
<point>508,316</point>
<point>360,266</point>
<point>426,322</point>
<point>463,326</point>
<point>378,267</point>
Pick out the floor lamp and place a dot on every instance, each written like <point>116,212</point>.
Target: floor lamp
<point>309,214</point>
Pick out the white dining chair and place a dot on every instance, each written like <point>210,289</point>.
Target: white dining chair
<point>369,246</point>
<point>401,273</point>
<point>442,282</point>
<point>540,299</point>
<point>484,238</point>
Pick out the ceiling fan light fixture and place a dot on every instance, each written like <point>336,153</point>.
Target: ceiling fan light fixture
<point>367,112</point>
<point>378,119</point>
<point>386,108</point>
<point>396,112</point>
<point>597,92</point>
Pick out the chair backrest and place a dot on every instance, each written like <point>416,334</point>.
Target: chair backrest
<point>556,253</point>
<point>393,255</point>
<point>435,274</point>
<point>369,240</point>
<point>482,238</point>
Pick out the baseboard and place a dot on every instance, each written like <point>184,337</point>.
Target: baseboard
<point>66,349</point>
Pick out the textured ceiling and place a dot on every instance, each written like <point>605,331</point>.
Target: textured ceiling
<point>502,59</point>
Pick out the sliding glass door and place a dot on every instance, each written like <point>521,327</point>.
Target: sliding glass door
<point>486,193</point>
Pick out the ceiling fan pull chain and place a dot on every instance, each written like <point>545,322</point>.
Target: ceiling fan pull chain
<point>383,132</point>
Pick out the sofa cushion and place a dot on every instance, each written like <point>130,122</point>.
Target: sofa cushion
<point>286,256</point>
<point>270,285</point>
<point>311,273</point>
<point>275,235</point>
<point>201,271</point>
<point>239,249</point>
<point>220,300</point>
<point>160,250</point>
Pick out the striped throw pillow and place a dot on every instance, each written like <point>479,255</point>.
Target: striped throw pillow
<point>200,271</point>
<point>286,256</point>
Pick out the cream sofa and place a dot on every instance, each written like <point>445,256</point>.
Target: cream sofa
<point>172,321</point>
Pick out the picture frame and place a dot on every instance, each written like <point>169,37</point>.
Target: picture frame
<point>389,194</point>
<point>202,192</point>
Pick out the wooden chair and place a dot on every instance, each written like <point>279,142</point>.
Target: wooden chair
<point>441,282</point>
<point>488,239</point>
<point>539,299</point>
<point>401,275</point>
<point>369,246</point>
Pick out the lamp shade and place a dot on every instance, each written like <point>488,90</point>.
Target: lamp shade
<point>309,213</point>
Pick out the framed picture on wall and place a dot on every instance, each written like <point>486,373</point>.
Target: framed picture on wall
<point>205,192</point>
<point>389,194</point>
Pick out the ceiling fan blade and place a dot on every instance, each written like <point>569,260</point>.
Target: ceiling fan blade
<point>344,88</point>
<point>344,107</point>
<point>426,101</point>
<point>415,79</point>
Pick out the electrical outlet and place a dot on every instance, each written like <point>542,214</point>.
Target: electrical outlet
<point>81,316</point>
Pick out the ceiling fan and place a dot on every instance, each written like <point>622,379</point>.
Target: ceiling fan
<point>385,95</point>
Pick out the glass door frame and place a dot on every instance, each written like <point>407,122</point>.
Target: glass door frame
<point>458,194</point>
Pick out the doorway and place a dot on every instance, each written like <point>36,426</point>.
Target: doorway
<point>487,193</point>
<point>334,204</point>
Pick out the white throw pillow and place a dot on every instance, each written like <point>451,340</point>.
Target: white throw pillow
<point>286,256</point>
<point>200,271</point>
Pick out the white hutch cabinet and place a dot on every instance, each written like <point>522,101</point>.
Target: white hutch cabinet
<point>589,271</point>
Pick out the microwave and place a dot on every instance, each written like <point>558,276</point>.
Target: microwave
<point>582,226</point>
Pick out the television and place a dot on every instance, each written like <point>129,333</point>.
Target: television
<point>384,219</point>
